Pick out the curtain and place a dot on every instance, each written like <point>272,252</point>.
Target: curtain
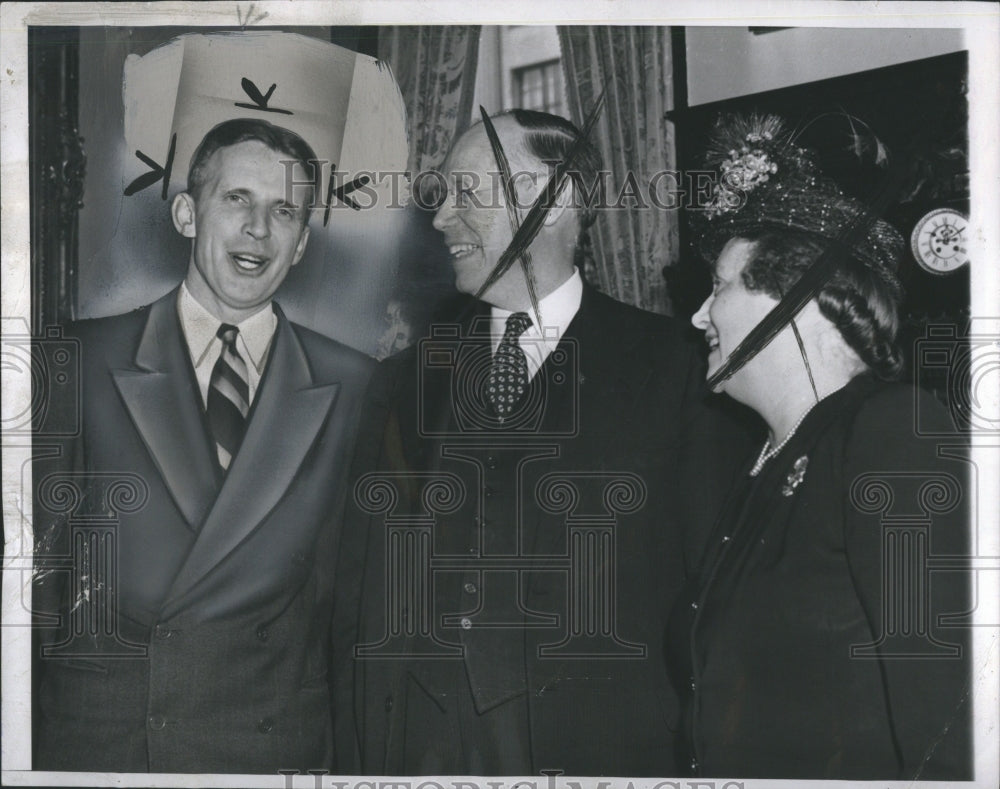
<point>631,244</point>
<point>435,67</point>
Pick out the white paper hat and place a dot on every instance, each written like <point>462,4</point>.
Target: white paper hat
<point>347,106</point>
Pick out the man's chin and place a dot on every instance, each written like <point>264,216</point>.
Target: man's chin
<point>712,369</point>
<point>467,284</point>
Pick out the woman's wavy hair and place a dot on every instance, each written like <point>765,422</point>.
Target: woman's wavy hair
<point>862,304</point>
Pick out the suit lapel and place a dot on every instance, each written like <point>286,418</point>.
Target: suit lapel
<point>443,390</point>
<point>608,385</point>
<point>607,363</point>
<point>288,414</point>
<point>161,395</point>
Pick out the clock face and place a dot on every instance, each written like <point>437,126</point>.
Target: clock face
<point>939,241</point>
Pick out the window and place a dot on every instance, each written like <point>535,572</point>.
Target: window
<point>540,87</point>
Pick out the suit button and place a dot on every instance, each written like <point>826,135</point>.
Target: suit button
<point>157,722</point>
<point>694,604</point>
<point>488,492</point>
<point>466,623</point>
<point>262,634</point>
<point>388,703</point>
<point>470,588</point>
<point>694,765</point>
<point>264,725</point>
<point>162,632</point>
<point>491,462</point>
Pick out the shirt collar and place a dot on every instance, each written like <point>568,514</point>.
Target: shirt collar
<point>557,310</point>
<point>200,327</point>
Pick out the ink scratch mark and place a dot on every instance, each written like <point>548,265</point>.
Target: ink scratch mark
<point>341,194</point>
<point>250,18</point>
<point>260,100</point>
<point>155,174</point>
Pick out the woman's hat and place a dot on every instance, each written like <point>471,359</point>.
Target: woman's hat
<point>765,181</point>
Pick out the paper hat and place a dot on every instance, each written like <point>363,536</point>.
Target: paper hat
<point>347,106</point>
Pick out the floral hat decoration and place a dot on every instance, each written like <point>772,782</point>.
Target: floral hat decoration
<point>765,181</point>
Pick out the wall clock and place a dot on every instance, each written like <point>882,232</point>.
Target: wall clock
<point>939,241</point>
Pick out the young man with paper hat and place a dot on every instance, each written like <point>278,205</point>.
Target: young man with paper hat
<point>217,435</point>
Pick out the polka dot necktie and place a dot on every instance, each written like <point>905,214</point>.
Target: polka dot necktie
<point>508,379</point>
<point>228,397</point>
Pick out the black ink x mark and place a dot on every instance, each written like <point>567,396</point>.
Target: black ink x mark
<point>154,175</point>
<point>259,100</point>
<point>341,192</point>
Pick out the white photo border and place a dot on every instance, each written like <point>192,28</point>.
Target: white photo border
<point>981,23</point>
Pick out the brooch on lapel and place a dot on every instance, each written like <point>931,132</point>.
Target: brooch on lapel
<point>795,476</point>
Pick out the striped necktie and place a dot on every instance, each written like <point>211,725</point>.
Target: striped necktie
<point>228,397</point>
<point>508,378</point>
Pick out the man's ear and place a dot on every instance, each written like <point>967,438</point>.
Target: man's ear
<point>182,212</point>
<point>300,247</point>
<point>564,200</point>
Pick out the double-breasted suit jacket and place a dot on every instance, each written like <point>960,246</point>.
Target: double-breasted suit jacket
<point>222,586</point>
<point>554,551</point>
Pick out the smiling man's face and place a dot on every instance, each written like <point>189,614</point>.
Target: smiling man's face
<point>247,236</point>
<point>473,218</point>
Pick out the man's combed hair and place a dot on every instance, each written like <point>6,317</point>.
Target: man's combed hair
<point>863,305</point>
<point>550,139</point>
<point>233,132</point>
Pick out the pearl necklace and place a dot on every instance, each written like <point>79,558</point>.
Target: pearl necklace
<point>768,452</point>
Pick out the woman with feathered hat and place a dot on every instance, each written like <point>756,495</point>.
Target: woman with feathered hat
<point>813,641</point>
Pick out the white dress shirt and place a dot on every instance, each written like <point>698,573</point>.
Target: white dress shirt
<point>557,310</point>
<point>200,327</point>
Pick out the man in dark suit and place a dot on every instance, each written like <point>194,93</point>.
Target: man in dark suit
<point>538,477</point>
<point>216,434</point>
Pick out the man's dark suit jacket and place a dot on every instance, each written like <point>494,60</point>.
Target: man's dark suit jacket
<point>227,585</point>
<point>621,398</point>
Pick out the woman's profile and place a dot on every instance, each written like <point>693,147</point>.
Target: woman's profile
<point>813,642</point>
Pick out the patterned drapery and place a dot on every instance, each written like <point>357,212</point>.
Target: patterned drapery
<point>435,67</point>
<point>631,245</point>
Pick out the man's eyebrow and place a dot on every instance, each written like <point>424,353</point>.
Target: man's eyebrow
<point>280,202</point>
